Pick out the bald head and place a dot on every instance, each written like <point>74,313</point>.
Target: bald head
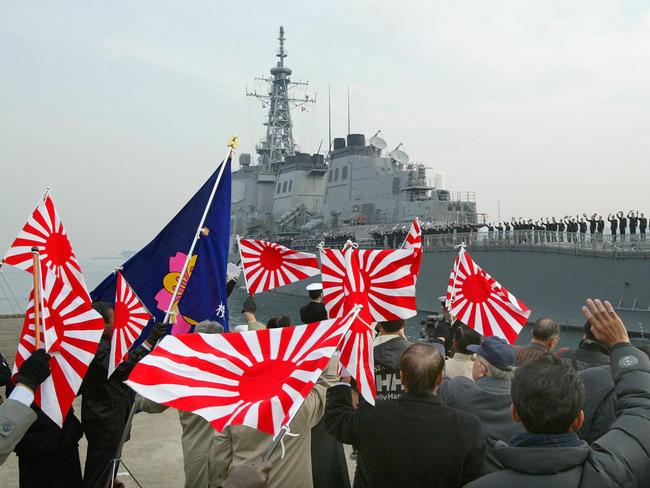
<point>545,328</point>
<point>421,369</point>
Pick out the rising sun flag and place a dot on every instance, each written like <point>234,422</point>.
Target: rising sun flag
<point>384,278</point>
<point>479,301</point>
<point>129,320</point>
<point>267,265</point>
<point>78,331</point>
<point>44,231</point>
<point>255,378</point>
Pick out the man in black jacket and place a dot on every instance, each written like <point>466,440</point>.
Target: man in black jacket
<point>106,402</point>
<point>589,353</point>
<point>328,465</point>
<point>547,398</point>
<point>388,347</point>
<point>315,310</point>
<point>399,436</point>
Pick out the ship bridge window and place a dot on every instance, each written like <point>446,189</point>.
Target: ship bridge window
<point>284,187</point>
<point>290,185</point>
<point>278,188</point>
<point>336,174</point>
<point>344,173</point>
<point>329,176</point>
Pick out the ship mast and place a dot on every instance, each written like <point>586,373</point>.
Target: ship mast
<point>279,141</point>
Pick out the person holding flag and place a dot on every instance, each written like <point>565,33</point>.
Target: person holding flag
<point>16,416</point>
<point>106,401</point>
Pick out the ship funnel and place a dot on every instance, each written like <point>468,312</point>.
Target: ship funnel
<point>339,143</point>
<point>358,140</point>
<point>244,160</point>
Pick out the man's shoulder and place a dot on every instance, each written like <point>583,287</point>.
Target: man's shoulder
<point>459,384</point>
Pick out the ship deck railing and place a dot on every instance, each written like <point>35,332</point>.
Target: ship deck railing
<point>572,243</point>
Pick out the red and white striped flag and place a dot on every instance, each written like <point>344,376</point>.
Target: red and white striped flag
<point>267,265</point>
<point>255,378</point>
<point>413,242</point>
<point>129,319</point>
<point>78,331</point>
<point>45,231</point>
<point>479,301</point>
<point>384,276</point>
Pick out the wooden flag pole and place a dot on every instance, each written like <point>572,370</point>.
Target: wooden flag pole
<point>232,145</point>
<point>36,273</point>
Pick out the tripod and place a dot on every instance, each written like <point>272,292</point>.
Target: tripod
<point>114,464</point>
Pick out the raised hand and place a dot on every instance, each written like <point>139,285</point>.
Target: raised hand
<point>606,325</point>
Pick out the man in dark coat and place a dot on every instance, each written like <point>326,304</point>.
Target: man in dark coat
<point>589,353</point>
<point>48,455</point>
<point>315,310</point>
<point>388,347</point>
<point>600,402</point>
<point>547,398</point>
<point>488,396</point>
<point>413,441</point>
<point>546,335</point>
<point>106,402</point>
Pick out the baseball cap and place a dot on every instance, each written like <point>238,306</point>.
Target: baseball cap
<point>496,351</point>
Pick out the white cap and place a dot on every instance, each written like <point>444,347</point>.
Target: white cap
<point>442,299</point>
<point>314,286</point>
<point>241,328</point>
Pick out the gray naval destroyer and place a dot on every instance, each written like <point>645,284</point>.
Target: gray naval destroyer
<point>297,198</point>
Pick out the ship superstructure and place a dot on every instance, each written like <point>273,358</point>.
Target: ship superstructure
<point>358,184</point>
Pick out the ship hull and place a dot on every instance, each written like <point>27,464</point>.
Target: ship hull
<point>551,284</point>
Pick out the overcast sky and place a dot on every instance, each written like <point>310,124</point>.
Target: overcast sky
<point>124,107</point>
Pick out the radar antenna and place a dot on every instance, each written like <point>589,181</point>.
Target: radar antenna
<point>279,141</point>
<point>378,142</point>
<point>398,155</point>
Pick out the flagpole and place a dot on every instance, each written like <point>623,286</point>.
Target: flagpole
<point>241,261</point>
<point>36,273</point>
<point>231,146</point>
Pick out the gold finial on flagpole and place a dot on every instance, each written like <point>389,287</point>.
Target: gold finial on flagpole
<point>233,142</point>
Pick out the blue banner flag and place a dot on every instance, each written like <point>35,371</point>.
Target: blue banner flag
<point>154,271</point>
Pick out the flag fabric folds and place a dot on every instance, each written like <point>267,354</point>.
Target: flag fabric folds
<point>480,302</point>
<point>357,357</point>
<point>255,378</point>
<point>129,320</point>
<point>267,265</point>
<point>154,271</point>
<point>384,278</point>
<point>78,330</point>
<point>413,242</point>
<point>44,230</point>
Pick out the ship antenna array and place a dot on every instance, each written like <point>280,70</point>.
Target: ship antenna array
<point>279,141</point>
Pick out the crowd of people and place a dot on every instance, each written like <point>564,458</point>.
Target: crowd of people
<point>454,409</point>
